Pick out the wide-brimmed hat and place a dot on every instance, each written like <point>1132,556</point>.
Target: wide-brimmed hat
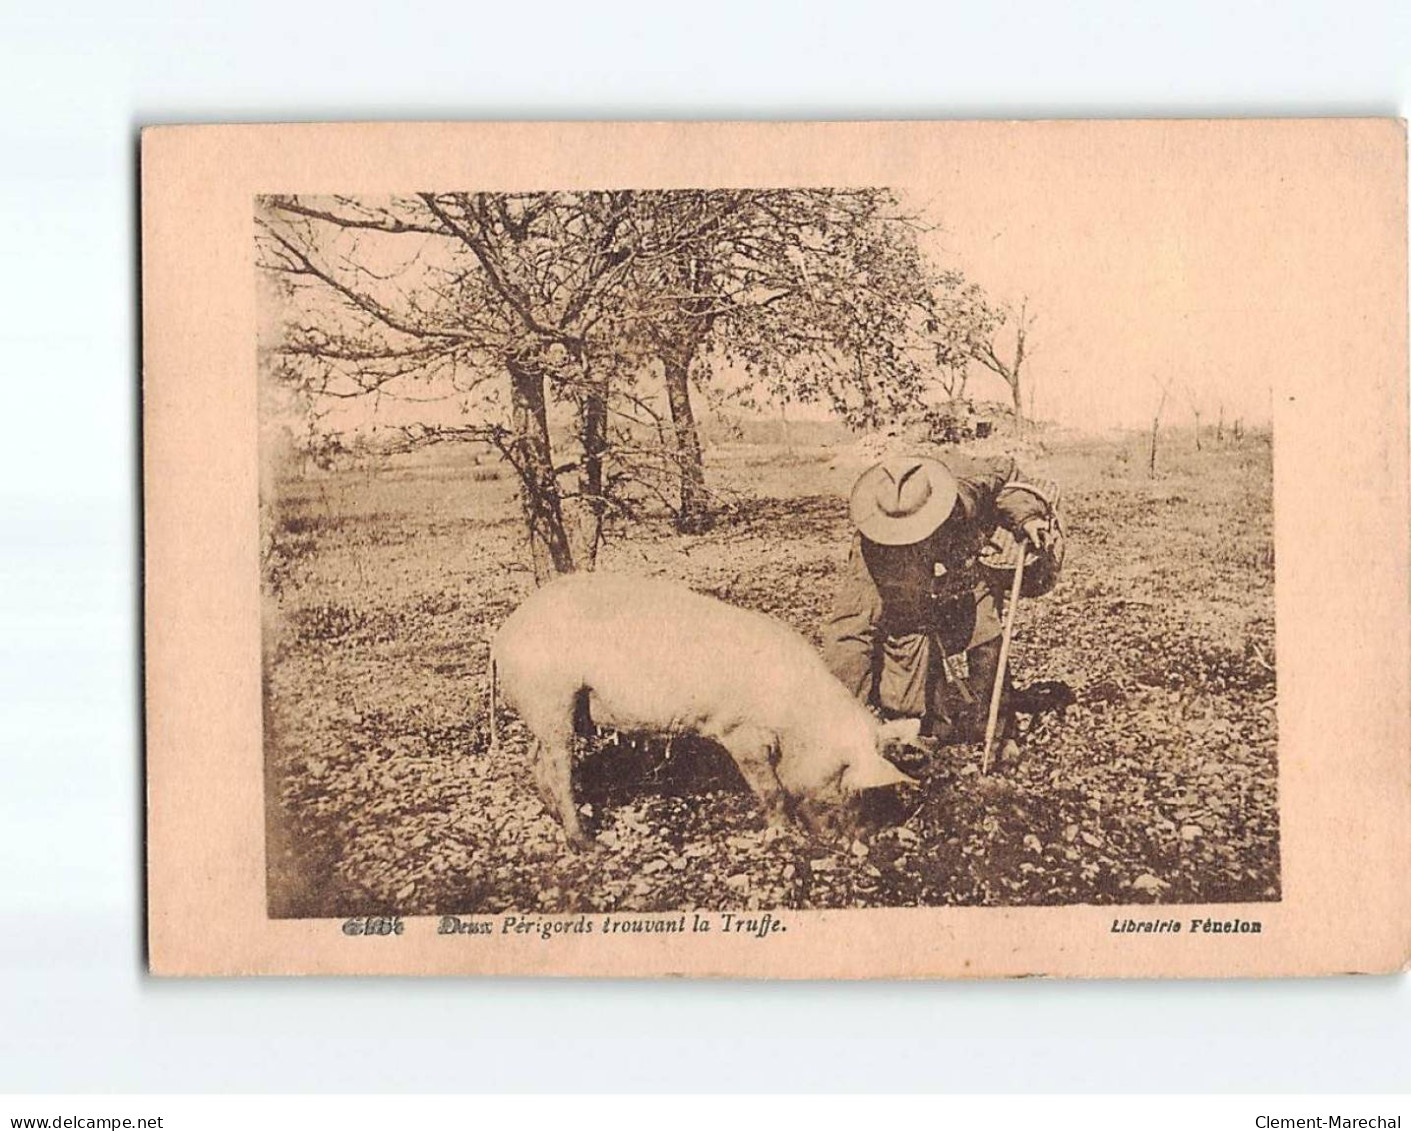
<point>902,500</point>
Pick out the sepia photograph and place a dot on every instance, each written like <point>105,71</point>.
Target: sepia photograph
<point>742,549</point>
<point>857,550</point>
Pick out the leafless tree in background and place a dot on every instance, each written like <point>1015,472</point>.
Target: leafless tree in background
<point>1012,370</point>
<point>1164,384</point>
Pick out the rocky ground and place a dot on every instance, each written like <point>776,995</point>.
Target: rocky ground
<point>1159,783</point>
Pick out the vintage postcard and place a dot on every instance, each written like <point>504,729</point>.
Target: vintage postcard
<point>873,550</point>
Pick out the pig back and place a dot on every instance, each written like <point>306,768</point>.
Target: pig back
<point>655,655</point>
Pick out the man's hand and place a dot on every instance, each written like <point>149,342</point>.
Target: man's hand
<point>1036,533</point>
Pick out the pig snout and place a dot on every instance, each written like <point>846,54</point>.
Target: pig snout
<point>868,793</point>
<point>868,811</point>
<point>889,805</point>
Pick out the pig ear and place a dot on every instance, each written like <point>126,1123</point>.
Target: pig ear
<point>875,773</point>
<point>898,732</point>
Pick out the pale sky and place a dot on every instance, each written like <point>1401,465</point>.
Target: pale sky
<point>1229,258</point>
<point>1145,257</point>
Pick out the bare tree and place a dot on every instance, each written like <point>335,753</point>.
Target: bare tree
<point>959,322</point>
<point>519,306</point>
<point>495,287</point>
<point>1010,369</point>
<point>1165,387</point>
<point>556,261</point>
<point>953,380</point>
<point>1197,411</point>
<point>813,295</point>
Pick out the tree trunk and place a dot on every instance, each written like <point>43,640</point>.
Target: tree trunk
<point>1021,332</point>
<point>693,516</point>
<point>593,433</point>
<point>1017,391</point>
<point>1156,427</point>
<point>532,457</point>
<point>595,441</point>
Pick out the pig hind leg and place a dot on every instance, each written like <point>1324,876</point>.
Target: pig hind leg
<point>552,725</point>
<point>553,776</point>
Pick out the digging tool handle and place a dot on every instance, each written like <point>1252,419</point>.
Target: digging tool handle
<point>1004,655</point>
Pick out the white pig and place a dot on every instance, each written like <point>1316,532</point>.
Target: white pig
<point>651,656</point>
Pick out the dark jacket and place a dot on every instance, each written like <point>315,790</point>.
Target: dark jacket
<point>894,606</point>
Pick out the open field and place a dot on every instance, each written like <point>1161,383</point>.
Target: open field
<point>1158,784</point>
